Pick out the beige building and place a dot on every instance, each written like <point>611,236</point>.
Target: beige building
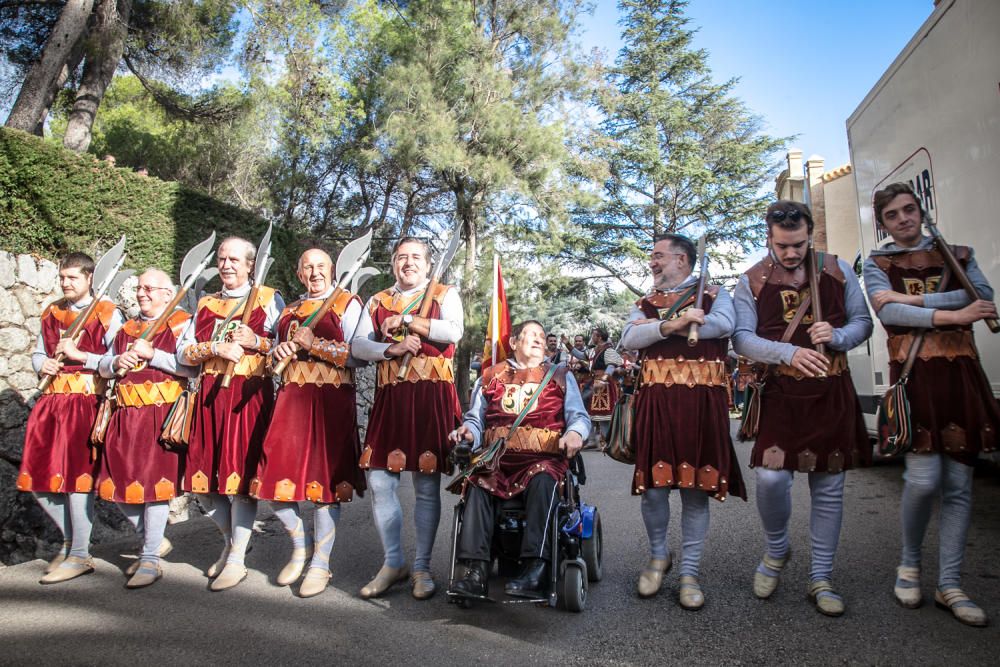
<point>832,197</point>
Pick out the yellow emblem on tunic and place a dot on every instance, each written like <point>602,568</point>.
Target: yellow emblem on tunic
<point>916,286</point>
<point>223,331</point>
<point>516,396</point>
<point>292,328</point>
<point>661,313</point>
<point>790,301</point>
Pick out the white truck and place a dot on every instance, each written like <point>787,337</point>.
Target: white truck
<point>933,120</point>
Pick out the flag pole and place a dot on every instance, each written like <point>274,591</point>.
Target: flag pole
<point>495,311</point>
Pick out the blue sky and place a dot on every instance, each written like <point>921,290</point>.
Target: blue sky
<point>803,66</point>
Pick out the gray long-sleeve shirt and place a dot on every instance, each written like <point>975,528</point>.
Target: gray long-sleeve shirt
<point>905,315</point>
<point>574,411</point>
<point>38,355</point>
<point>746,341</point>
<point>367,342</point>
<point>719,322</point>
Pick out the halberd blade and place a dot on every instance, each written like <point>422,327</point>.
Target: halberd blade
<point>263,255</point>
<point>355,252</point>
<point>449,254</point>
<point>362,276</point>
<point>118,281</point>
<point>195,256</point>
<point>105,268</point>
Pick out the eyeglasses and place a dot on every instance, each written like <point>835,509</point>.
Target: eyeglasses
<point>148,289</point>
<point>779,216</point>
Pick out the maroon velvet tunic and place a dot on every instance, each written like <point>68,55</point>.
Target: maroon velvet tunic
<point>137,469</point>
<point>57,454</point>
<point>604,394</point>
<point>808,424</point>
<point>410,420</point>
<point>951,403</point>
<point>229,423</point>
<point>311,448</point>
<point>505,391</point>
<point>681,431</point>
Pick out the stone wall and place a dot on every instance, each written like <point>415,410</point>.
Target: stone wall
<point>27,285</point>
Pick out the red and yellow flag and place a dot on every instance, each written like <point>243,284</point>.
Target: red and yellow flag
<point>497,347</point>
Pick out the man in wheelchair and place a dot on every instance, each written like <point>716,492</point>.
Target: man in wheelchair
<point>525,421</point>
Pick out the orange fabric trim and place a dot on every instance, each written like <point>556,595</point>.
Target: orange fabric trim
<point>199,482</point>
<point>107,489</point>
<point>250,365</point>
<point>689,372</point>
<point>303,308</point>
<point>422,368</point>
<point>314,492</point>
<point>84,484</point>
<point>222,307</point>
<point>132,395</point>
<point>177,321</point>
<point>317,373</point>
<point>391,300</point>
<point>75,383</point>
<point>164,489</point>
<point>56,483</point>
<point>525,438</point>
<point>233,484</point>
<point>24,482</point>
<point>135,494</point>
<point>284,490</point>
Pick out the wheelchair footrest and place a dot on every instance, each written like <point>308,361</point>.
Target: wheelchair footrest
<point>459,595</point>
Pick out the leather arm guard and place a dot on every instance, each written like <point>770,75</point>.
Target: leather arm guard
<point>199,352</point>
<point>331,351</point>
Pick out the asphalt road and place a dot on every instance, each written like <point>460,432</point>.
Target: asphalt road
<point>95,620</point>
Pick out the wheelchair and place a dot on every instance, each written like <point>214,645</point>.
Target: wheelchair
<point>575,541</point>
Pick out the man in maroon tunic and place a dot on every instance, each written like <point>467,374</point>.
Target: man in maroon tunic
<point>230,422</point>
<point>311,448</point>
<point>810,417</point>
<point>410,419</point>
<point>681,431</point>
<point>137,472</point>
<point>534,462</point>
<point>57,464</point>
<point>953,411</point>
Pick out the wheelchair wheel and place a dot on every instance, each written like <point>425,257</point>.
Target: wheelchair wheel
<point>592,549</point>
<point>573,586</point>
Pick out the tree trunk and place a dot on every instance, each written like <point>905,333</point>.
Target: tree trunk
<point>104,52</point>
<point>75,57</point>
<point>33,99</point>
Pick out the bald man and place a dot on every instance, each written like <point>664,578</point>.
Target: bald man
<point>311,449</point>
<point>137,473</point>
<point>230,422</point>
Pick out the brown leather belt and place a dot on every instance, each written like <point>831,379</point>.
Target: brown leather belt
<point>690,372</point>
<point>422,368</point>
<point>838,364</point>
<point>249,365</point>
<point>317,373</point>
<point>525,439</point>
<point>137,395</point>
<point>937,344</point>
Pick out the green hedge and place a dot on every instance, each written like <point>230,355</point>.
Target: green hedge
<point>53,201</point>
